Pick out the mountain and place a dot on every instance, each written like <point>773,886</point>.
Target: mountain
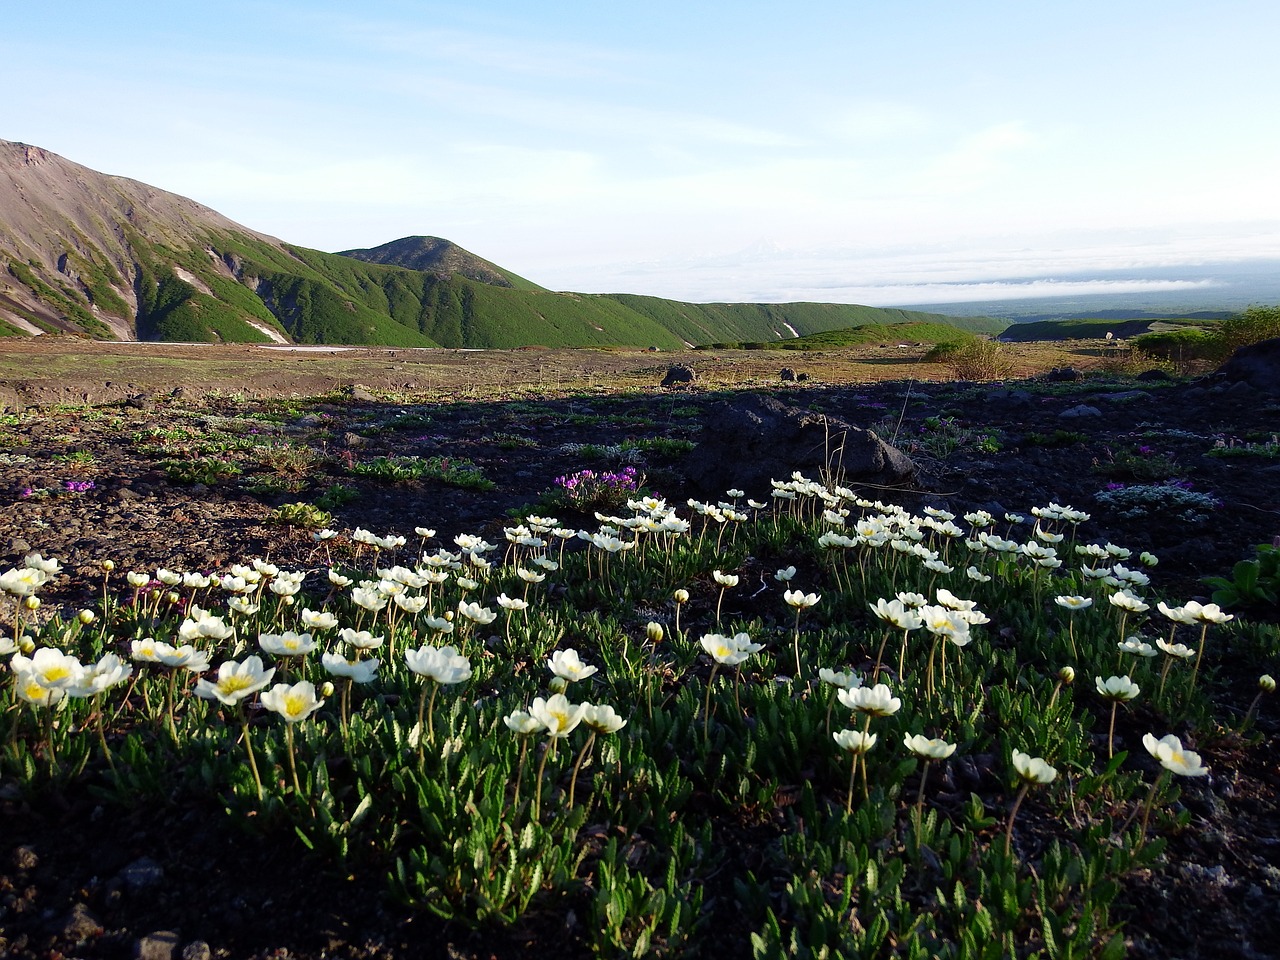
<point>103,256</point>
<point>440,257</point>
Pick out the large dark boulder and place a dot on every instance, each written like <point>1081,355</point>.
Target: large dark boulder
<point>748,441</point>
<point>1257,364</point>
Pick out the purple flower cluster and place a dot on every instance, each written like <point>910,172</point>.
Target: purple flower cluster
<point>587,486</point>
<point>624,479</point>
<point>77,486</point>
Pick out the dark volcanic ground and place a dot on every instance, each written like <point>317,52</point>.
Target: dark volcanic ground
<point>81,878</point>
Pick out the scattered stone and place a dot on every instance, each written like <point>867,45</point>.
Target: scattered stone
<point>787,374</point>
<point>142,874</point>
<point>360,393</point>
<point>801,377</point>
<point>1063,375</point>
<point>1009,399</point>
<point>160,945</point>
<point>80,924</point>
<point>1154,375</point>
<point>1257,365</point>
<point>197,950</point>
<point>678,374</point>
<point>352,440</point>
<point>24,857</point>
<point>19,546</point>
<point>1083,410</point>
<point>1123,396</point>
<point>753,439</point>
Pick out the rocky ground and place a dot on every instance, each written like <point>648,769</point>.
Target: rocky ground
<point>135,482</point>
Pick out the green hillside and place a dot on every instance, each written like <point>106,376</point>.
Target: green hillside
<point>1096,328</point>
<point>915,331</point>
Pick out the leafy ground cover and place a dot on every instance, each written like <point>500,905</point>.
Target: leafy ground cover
<point>477,810</point>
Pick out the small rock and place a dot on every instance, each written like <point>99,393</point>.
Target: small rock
<point>197,950</point>
<point>1083,410</point>
<point>19,545</point>
<point>679,374</point>
<point>24,857</point>
<point>787,374</point>
<point>1062,375</point>
<point>160,945</point>
<point>361,394</point>
<point>80,924</point>
<point>801,377</point>
<point>142,874</point>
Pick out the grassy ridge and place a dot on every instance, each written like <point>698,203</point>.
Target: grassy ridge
<point>229,286</point>
<point>1095,328</point>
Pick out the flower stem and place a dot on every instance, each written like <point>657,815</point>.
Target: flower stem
<point>582,755</point>
<point>248,746</point>
<point>1013,815</point>
<point>706,704</point>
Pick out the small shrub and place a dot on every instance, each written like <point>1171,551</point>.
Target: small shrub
<point>973,359</point>
<point>1140,463</point>
<point>1169,501</point>
<point>587,490</point>
<point>301,514</point>
<point>199,471</point>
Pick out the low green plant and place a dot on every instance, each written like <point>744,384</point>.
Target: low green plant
<point>204,471</point>
<point>1165,500</point>
<point>1139,463</point>
<point>308,516</point>
<point>1253,583</point>
<point>1054,440</point>
<point>336,496</point>
<point>455,471</point>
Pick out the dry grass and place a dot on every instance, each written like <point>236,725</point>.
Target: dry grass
<point>51,370</point>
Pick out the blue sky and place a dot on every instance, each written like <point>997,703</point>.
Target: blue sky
<point>852,151</point>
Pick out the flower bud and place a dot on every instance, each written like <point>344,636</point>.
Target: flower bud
<point>107,566</point>
<point>559,684</point>
<point>681,596</point>
<point>31,603</point>
<point>26,645</point>
<point>1067,674</point>
<point>653,630</point>
<point>1267,683</point>
<point>287,601</point>
<point>172,597</point>
<point>326,689</point>
<point>86,617</point>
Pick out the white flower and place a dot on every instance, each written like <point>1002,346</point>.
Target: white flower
<point>236,681</point>
<point>799,599</point>
<point>520,722</point>
<point>1116,688</point>
<point>361,639</point>
<point>1180,650</point>
<point>1033,769</point>
<point>1074,603</point>
<point>725,579</point>
<point>729,651</point>
<point>567,665</point>
<point>444,665</point>
<point>476,613</point>
<point>287,644</point>
<point>293,703</point>
<point>602,718</point>
<point>1128,602</point>
<point>875,701</point>
<point>844,680</point>
<point>854,741</point>
<point>358,671</point>
<point>106,673</point>
<point>1169,751</point>
<point>318,619</point>
<point>784,575</point>
<point>930,749</point>
<point>557,715</point>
